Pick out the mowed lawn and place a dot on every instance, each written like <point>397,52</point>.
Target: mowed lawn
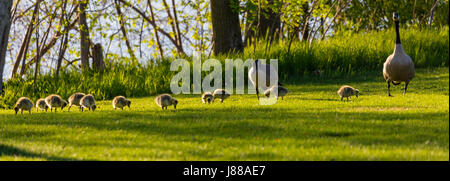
<point>311,123</point>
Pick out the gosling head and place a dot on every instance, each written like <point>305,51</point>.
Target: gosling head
<point>356,92</point>
<point>395,16</point>
<point>174,102</point>
<point>16,109</point>
<point>93,108</point>
<point>64,104</point>
<point>128,103</point>
<point>208,99</point>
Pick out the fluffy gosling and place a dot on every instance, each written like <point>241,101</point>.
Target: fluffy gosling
<point>120,102</point>
<point>23,104</point>
<point>55,101</point>
<point>221,94</point>
<point>281,91</point>
<point>347,91</point>
<point>165,100</point>
<point>75,100</point>
<point>88,102</point>
<point>41,105</point>
<point>207,97</point>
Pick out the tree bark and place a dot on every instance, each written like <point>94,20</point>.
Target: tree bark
<point>226,29</point>
<point>5,26</point>
<point>97,61</point>
<point>84,33</point>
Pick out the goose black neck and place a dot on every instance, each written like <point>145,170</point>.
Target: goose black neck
<point>397,33</point>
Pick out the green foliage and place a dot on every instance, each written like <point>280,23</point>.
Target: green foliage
<point>344,54</point>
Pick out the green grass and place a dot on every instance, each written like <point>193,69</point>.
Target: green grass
<point>310,124</point>
<point>342,54</point>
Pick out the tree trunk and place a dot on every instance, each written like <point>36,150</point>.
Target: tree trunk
<point>5,25</point>
<point>97,63</point>
<point>84,33</point>
<point>226,29</point>
<point>269,25</point>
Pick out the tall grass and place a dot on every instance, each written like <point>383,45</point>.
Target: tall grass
<point>342,54</point>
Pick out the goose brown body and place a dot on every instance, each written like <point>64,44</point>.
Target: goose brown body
<point>55,101</point>
<point>88,101</point>
<point>207,97</point>
<point>120,102</point>
<point>165,100</point>
<point>74,99</point>
<point>22,104</point>
<point>41,105</point>
<point>347,91</point>
<point>281,91</point>
<point>399,66</point>
<point>221,94</point>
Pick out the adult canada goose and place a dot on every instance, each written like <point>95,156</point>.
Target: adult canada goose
<point>398,66</point>
<point>265,72</point>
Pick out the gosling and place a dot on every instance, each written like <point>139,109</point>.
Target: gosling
<point>281,91</point>
<point>55,101</point>
<point>41,105</point>
<point>23,104</point>
<point>221,94</point>
<point>88,102</point>
<point>165,100</point>
<point>207,97</point>
<point>75,100</point>
<point>120,102</point>
<point>347,91</point>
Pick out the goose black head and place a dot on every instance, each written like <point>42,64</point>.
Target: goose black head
<point>395,16</point>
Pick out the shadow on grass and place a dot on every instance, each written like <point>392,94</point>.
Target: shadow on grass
<point>6,150</point>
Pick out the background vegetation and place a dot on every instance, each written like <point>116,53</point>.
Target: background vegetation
<point>345,53</point>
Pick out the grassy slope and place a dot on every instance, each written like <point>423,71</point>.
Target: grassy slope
<point>310,124</point>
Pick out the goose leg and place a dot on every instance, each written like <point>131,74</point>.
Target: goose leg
<point>406,87</point>
<point>389,86</point>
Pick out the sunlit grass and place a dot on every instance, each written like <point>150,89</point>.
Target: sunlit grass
<point>310,124</point>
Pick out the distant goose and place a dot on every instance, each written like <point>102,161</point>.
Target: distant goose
<point>165,100</point>
<point>207,97</point>
<point>120,102</point>
<point>221,94</point>
<point>281,91</point>
<point>88,101</point>
<point>55,101</point>
<point>265,72</point>
<point>23,104</point>
<point>75,100</point>
<point>398,67</point>
<point>41,105</point>
<point>347,91</point>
